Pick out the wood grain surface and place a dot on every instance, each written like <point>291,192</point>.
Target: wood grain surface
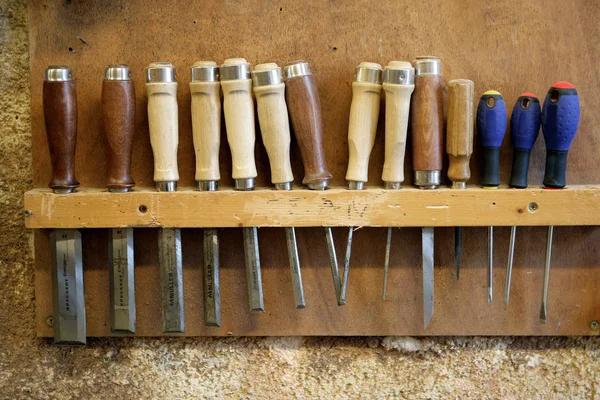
<point>511,46</point>
<point>459,129</point>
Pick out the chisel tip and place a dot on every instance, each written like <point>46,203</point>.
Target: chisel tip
<point>543,314</point>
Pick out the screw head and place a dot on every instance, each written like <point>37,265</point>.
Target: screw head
<point>594,325</point>
<point>28,213</point>
<point>532,207</point>
<point>50,321</point>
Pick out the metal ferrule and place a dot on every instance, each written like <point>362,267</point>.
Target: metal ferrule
<point>428,179</point>
<point>208,186</point>
<point>356,185</point>
<point>205,73</point>
<point>117,72</point>
<point>323,185</point>
<point>234,72</point>
<point>58,73</point>
<point>404,76</point>
<point>427,66</point>
<point>63,190</point>
<point>283,186</point>
<point>297,68</point>
<point>368,74</point>
<point>244,184</point>
<point>119,190</point>
<point>160,72</point>
<point>393,185</point>
<point>459,185</point>
<point>267,77</point>
<point>166,186</point>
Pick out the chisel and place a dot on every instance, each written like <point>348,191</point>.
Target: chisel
<point>60,117</point>
<point>239,122</point>
<point>362,127</point>
<point>398,84</point>
<point>205,90</point>
<point>491,126</point>
<point>560,120</point>
<point>304,107</point>
<point>524,130</point>
<point>269,90</point>
<point>427,131</point>
<point>459,145</point>
<point>161,90</point>
<point>118,117</point>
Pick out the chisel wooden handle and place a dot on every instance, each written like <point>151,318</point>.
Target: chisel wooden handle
<point>398,83</point>
<point>364,114</point>
<point>304,107</point>
<point>60,117</point>
<point>459,129</point>
<point>161,89</point>
<point>427,122</point>
<point>118,117</point>
<point>206,119</point>
<point>239,116</point>
<point>269,90</point>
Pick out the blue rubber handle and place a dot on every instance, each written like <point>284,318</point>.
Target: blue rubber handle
<point>525,121</point>
<point>491,126</point>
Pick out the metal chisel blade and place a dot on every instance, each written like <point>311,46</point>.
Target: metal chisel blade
<point>344,289</point>
<point>335,273</point>
<point>171,279</point>
<point>458,232</point>
<point>427,249</point>
<point>122,286</point>
<point>253,276</point>
<point>290,236</point>
<point>212,287</point>
<point>509,267</point>
<point>67,280</point>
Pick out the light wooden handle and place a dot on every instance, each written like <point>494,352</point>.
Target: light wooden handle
<point>274,122</point>
<point>239,122</point>
<point>459,129</point>
<point>362,127</point>
<point>164,129</point>
<point>206,126</point>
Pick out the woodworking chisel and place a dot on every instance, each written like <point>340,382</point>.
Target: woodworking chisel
<point>239,122</point>
<point>161,90</point>
<point>60,117</point>
<point>398,84</point>
<point>524,130</point>
<point>205,90</point>
<point>304,107</point>
<point>560,121</point>
<point>459,145</point>
<point>269,90</point>
<point>427,133</point>
<point>118,117</point>
<point>491,126</point>
<point>362,128</point>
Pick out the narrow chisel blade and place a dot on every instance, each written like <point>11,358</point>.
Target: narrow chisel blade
<point>122,286</point>
<point>343,291</point>
<point>290,236</point>
<point>335,273</point>
<point>427,248</point>
<point>509,267</point>
<point>171,279</point>
<point>386,266</point>
<point>253,276</point>
<point>67,279</point>
<point>458,232</point>
<point>212,287</point>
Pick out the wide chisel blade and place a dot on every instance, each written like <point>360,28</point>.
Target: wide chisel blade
<point>427,248</point>
<point>253,275</point>
<point>212,288</point>
<point>67,277</point>
<point>290,236</point>
<point>122,286</point>
<point>171,279</point>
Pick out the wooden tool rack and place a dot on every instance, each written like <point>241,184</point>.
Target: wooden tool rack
<point>511,47</point>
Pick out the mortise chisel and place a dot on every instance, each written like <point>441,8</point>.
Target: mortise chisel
<point>161,90</point>
<point>205,90</point>
<point>239,122</point>
<point>60,117</point>
<point>427,133</point>
<point>491,126</point>
<point>304,107</point>
<point>459,145</point>
<point>362,128</point>
<point>269,90</point>
<point>524,130</point>
<point>398,84</point>
<point>560,121</point>
<point>118,117</point>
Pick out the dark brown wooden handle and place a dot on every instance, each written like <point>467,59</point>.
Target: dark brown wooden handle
<point>304,107</point>
<point>60,115</point>
<point>427,123</point>
<point>118,117</point>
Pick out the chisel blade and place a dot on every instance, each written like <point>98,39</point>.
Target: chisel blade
<point>122,286</point>
<point>67,279</point>
<point>212,287</point>
<point>253,275</point>
<point>171,279</point>
<point>335,272</point>
<point>290,236</point>
<point>427,249</point>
